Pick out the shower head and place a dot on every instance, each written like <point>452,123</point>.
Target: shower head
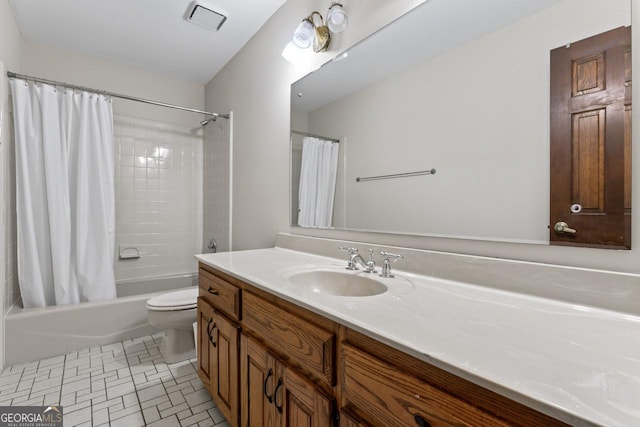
<point>206,121</point>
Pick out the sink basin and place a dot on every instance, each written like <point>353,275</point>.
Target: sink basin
<point>337,283</point>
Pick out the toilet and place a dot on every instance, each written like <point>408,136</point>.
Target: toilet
<point>175,312</point>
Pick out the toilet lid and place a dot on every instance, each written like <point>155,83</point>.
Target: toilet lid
<point>178,300</point>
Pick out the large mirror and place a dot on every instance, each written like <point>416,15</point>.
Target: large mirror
<point>455,87</point>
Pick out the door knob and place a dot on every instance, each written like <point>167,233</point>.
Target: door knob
<point>563,227</point>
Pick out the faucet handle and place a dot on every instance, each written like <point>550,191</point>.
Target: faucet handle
<point>388,255</point>
<point>350,250</point>
<point>386,264</point>
<point>352,254</point>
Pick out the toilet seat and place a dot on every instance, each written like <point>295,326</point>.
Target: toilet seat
<point>185,299</point>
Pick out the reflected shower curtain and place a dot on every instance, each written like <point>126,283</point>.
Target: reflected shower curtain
<point>65,196</point>
<point>317,182</point>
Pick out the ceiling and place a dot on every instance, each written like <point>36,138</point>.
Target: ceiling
<point>151,35</point>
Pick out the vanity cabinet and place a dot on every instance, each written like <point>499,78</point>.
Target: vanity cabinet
<point>279,371</point>
<point>287,366</point>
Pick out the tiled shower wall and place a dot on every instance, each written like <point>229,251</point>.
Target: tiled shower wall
<point>158,197</point>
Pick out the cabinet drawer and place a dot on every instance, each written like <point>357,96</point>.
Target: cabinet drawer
<point>391,397</point>
<point>220,294</point>
<point>300,342</point>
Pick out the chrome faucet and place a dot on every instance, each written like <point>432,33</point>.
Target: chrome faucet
<point>386,263</point>
<point>355,258</point>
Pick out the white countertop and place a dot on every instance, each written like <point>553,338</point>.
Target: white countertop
<point>575,363</point>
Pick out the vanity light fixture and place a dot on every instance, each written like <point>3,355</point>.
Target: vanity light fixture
<point>337,19</point>
<point>314,30</point>
<point>305,32</point>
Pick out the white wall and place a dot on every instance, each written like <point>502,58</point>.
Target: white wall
<point>62,65</point>
<point>10,39</point>
<point>255,84</point>
<point>216,185</point>
<point>10,59</point>
<point>478,114</point>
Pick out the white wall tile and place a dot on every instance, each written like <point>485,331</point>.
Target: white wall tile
<point>159,197</point>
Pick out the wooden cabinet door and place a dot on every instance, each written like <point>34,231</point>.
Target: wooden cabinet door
<point>275,395</point>
<point>224,359</point>
<point>205,313</point>
<point>258,377</point>
<point>591,141</point>
<point>301,403</point>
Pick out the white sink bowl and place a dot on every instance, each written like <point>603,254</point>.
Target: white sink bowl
<point>337,283</point>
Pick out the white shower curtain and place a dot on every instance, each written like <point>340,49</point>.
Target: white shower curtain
<point>317,182</point>
<point>64,194</point>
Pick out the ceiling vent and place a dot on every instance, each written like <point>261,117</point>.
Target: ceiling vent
<point>203,16</point>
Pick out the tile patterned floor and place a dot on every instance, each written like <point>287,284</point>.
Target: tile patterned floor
<point>123,384</point>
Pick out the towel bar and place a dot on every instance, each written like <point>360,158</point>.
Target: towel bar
<point>397,175</point>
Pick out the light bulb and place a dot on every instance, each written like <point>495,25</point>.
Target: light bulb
<point>337,19</point>
<point>303,35</point>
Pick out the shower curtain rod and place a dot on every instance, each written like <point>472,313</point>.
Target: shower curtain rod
<point>337,141</point>
<point>114,95</point>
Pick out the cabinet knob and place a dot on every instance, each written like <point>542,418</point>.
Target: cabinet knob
<point>264,386</point>
<point>275,395</point>
<point>421,422</point>
<point>213,291</point>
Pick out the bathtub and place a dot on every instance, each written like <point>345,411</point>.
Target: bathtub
<point>39,333</point>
